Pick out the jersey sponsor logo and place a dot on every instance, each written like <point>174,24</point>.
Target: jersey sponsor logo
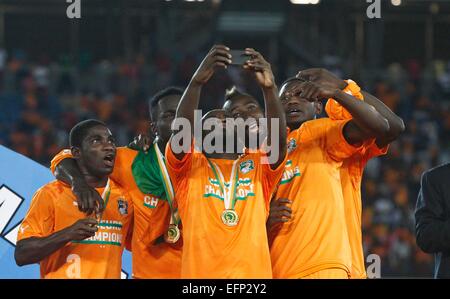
<point>289,173</point>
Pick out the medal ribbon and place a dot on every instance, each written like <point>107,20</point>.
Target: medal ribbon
<point>229,198</point>
<point>167,184</point>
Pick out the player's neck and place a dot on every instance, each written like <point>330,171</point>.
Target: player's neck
<point>94,181</point>
<point>295,126</point>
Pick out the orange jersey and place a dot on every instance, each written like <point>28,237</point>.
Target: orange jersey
<point>151,220</point>
<point>211,249</point>
<point>54,208</point>
<point>316,237</point>
<point>351,176</point>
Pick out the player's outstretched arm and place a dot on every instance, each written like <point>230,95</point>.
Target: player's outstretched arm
<point>396,124</point>
<point>218,57</point>
<point>33,250</point>
<point>366,123</point>
<point>88,198</point>
<point>327,78</point>
<point>274,109</point>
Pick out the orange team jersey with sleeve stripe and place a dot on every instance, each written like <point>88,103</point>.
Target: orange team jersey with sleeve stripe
<point>211,249</point>
<point>54,208</point>
<point>316,237</point>
<point>351,176</point>
<point>150,259</point>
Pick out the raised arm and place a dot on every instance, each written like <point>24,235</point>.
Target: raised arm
<point>34,249</point>
<point>274,108</point>
<point>326,78</point>
<point>366,122</point>
<point>396,124</point>
<point>218,57</point>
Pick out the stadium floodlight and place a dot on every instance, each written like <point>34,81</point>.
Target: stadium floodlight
<point>305,1</point>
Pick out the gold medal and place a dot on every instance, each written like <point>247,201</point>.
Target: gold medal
<point>230,217</point>
<point>172,234</point>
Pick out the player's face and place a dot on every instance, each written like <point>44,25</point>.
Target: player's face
<point>245,107</point>
<point>98,151</point>
<point>167,108</point>
<point>297,109</point>
<point>220,117</point>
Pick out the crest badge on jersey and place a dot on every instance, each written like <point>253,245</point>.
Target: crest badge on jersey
<point>246,166</point>
<point>292,145</point>
<point>122,206</point>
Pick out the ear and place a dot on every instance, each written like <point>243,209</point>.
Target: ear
<point>152,129</point>
<point>76,153</point>
<point>318,107</point>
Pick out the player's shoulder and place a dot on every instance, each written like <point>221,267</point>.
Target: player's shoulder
<point>313,129</point>
<point>54,186</point>
<point>52,190</point>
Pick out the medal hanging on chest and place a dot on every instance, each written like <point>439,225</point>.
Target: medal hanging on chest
<point>229,216</point>
<point>173,232</point>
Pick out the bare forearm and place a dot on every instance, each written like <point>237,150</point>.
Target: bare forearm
<point>33,250</point>
<point>189,102</point>
<point>365,116</point>
<point>396,124</point>
<point>68,172</point>
<point>274,110</point>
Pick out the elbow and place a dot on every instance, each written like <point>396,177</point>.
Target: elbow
<point>381,129</point>
<point>20,258</point>
<point>397,127</point>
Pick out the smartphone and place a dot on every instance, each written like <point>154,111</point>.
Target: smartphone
<point>239,57</point>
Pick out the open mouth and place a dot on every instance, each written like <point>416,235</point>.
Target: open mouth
<point>294,111</point>
<point>109,160</point>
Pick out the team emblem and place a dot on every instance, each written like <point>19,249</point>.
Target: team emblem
<point>246,166</point>
<point>123,206</point>
<point>292,145</point>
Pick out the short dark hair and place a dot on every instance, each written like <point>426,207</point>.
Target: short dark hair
<point>154,100</point>
<point>81,129</point>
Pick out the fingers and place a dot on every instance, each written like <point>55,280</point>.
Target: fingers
<point>82,201</point>
<point>99,202</point>
<point>144,142</point>
<point>220,56</point>
<point>284,201</point>
<point>88,221</point>
<point>308,74</point>
<point>90,203</point>
<point>310,91</point>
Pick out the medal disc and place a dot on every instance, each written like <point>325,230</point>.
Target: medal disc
<point>230,217</point>
<point>172,234</point>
